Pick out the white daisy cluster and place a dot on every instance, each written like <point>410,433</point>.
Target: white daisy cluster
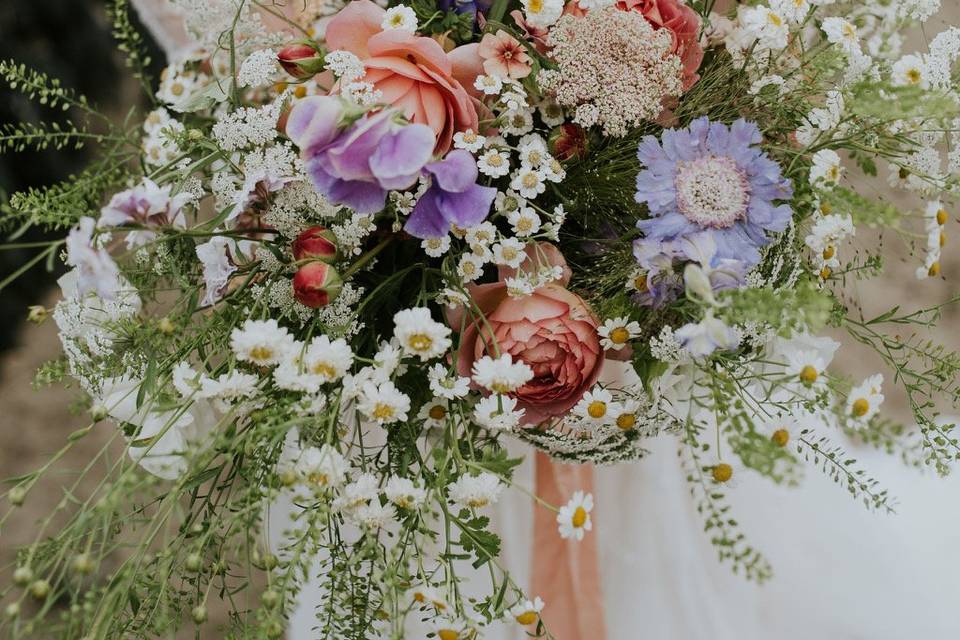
<point>824,241</point>
<point>160,142</point>
<point>935,219</point>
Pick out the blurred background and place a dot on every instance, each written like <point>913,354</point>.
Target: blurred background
<point>70,40</point>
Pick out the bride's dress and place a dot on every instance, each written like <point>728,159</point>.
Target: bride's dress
<point>841,572</point>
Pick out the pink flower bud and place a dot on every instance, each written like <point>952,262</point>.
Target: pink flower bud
<point>300,60</point>
<point>316,284</point>
<point>317,243</point>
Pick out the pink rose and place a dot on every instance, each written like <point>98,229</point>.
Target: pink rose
<point>553,331</point>
<point>682,22</point>
<point>413,72</point>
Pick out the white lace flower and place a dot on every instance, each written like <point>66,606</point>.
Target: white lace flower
<point>258,69</point>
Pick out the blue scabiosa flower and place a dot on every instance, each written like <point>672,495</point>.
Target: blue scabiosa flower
<point>711,178</point>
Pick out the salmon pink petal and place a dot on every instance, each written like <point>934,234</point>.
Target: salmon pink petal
<point>354,26</point>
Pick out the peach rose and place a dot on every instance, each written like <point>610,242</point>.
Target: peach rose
<point>413,72</point>
<point>553,331</point>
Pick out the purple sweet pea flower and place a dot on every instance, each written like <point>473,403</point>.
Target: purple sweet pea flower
<point>454,197</point>
<point>357,165</point>
<point>148,205</point>
<point>714,179</point>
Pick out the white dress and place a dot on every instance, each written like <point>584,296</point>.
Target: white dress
<point>841,572</point>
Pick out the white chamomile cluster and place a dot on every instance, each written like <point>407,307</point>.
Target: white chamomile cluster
<point>935,220</point>
<point>824,240</point>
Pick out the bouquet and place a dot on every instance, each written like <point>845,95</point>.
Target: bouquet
<point>358,256</point>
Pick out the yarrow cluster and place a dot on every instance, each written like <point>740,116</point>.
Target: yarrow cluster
<point>359,276</point>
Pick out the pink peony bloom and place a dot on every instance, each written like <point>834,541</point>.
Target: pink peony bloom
<point>504,56</point>
<point>682,22</point>
<point>413,72</point>
<point>553,331</point>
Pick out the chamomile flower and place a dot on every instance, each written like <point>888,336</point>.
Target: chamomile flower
<point>768,27</point>
<point>509,252</point>
<point>793,10</point>
<point>429,596</point>
<point>910,71</point>
<point>446,385</point>
<point>494,163</point>
<point>626,414</point>
<point>482,234</point>
<point>517,122</point>
<point>453,298</point>
<point>399,18</point>
<point>363,490</point>
<point>387,358</point>
<point>596,407</point>
<point>322,468</point>
<point>865,399</point>
<point>470,267</point>
<point>488,84</point>
<point>806,368</point>
<point>826,170</point>
<point>551,112</point>
<point>519,287</point>
<point>843,33</point>
<point>532,150</point>
<point>436,247</point>
<point>263,343</point>
<point>501,375</point>
<point>475,492</point>
<point>525,221</point>
<point>434,413</point>
<point>528,182</point>
<point>498,413</point>
<point>383,403</point>
<point>542,13</point>
<point>468,140</point>
<point>371,516</point>
<point>574,518</point>
<point>419,334</point>
<point>616,333</point>
<point>722,473</point>
<point>404,493</point>
<point>527,612</point>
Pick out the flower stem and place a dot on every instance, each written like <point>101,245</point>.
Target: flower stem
<point>368,256</point>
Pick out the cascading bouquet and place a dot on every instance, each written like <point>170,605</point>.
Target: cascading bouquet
<point>353,251</point>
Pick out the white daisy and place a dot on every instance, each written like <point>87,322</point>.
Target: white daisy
<point>468,140</point>
<point>482,234</point>
<point>498,413</point>
<point>525,221</point>
<point>615,333</point>
<point>322,468</point>
<point>596,407</point>
<point>475,492</point>
<point>841,32</point>
<point>501,375</point>
<point>445,385</point>
<point>766,26</point>
<point>551,112</point>
<point>517,122</point>
<point>494,163</point>
<point>419,334</point>
<point>400,18</point>
<point>574,517</point>
<point>434,413</point>
<point>383,403</point>
<point>865,399</point>
<point>263,343</point>
<point>826,169</point>
<point>436,247</point>
<point>910,71</point>
<point>372,516</point>
<point>527,612</point>
<point>542,13</point>
<point>519,287</point>
<point>488,84</point>
<point>528,182</point>
<point>470,267</point>
<point>404,493</point>
<point>509,252</point>
<point>532,150</point>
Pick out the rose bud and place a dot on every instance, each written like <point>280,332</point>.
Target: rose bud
<point>568,141</point>
<point>317,243</point>
<point>316,284</point>
<point>301,60</point>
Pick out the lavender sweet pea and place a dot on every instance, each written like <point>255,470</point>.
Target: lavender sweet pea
<point>358,164</point>
<point>712,178</point>
<point>454,197</point>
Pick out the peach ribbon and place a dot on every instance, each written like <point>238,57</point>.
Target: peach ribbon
<point>566,573</point>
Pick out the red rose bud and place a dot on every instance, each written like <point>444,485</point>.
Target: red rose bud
<point>317,243</point>
<point>300,60</point>
<point>568,141</point>
<point>316,284</point>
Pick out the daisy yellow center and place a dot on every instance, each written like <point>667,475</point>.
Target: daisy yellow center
<point>774,19</point>
<point>860,407</point>
<point>176,89</point>
<point>469,137</point>
<point>943,238</point>
<point>619,335</point>
<point>527,617</point>
<point>597,409</point>
<point>300,92</point>
<point>494,160</point>
<point>536,6</point>
<point>396,20</point>
<point>626,421</point>
<point>941,217</point>
<point>509,254</point>
<point>530,180</point>
<point>829,252</point>
<point>382,411</point>
<point>808,374</point>
<point>722,472</point>
<point>434,243</point>
<point>524,224</point>
<point>914,76</point>
<point>834,173</point>
<point>534,157</point>
<point>500,387</point>
<point>579,517</point>
<point>826,208</point>
<point>324,369</point>
<point>420,342</point>
<point>934,270</point>
<point>825,272</point>
<point>448,634</point>
<point>477,503</point>
<point>261,353</point>
<point>640,282</point>
<point>469,268</point>
<point>849,32</point>
<point>439,605</point>
<point>318,478</point>
<point>780,437</point>
<point>437,412</point>
<point>712,191</point>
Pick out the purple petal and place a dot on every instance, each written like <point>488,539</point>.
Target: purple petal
<point>313,123</point>
<point>398,160</point>
<point>363,197</point>
<point>469,207</point>
<point>349,156</point>
<point>457,172</point>
<point>427,221</point>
